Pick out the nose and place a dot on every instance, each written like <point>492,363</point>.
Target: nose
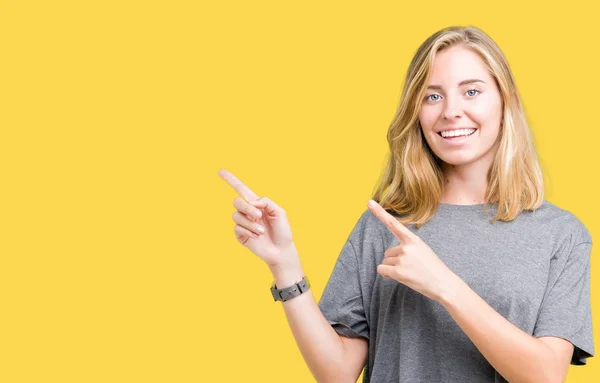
<point>452,108</point>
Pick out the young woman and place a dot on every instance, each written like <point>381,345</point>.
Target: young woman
<point>461,271</point>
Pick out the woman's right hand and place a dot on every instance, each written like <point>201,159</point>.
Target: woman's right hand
<point>274,245</point>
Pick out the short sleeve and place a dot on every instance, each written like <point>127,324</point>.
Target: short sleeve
<point>566,309</point>
<point>342,300</point>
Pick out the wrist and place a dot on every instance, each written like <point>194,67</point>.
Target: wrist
<point>289,271</point>
<point>452,291</point>
<point>284,294</point>
<point>286,276</point>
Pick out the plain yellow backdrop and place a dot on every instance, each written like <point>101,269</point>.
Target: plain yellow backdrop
<point>118,261</point>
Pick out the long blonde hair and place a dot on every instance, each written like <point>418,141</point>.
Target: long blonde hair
<point>411,184</point>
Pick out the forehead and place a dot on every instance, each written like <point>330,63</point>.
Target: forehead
<point>454,64</point>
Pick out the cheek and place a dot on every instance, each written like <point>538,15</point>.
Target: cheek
<point>427,118</point>
<point>487,112</point>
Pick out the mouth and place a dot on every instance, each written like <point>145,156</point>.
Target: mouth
<point>457,135</point>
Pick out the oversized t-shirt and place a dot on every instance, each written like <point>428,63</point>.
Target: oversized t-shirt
<point>533,270</point>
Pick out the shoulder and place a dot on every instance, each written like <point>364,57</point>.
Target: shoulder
<point>370,231</point>
<point>555,219</point>
<point>368,223</point>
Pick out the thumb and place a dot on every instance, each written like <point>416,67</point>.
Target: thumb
<point>386,271</point>
<point>265,203</point>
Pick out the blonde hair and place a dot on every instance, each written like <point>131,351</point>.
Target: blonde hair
<point>411,184</point>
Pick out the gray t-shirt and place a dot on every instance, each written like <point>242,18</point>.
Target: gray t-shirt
<point>534,271</point>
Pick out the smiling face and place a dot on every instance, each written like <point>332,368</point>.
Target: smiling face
<point>464,104</point>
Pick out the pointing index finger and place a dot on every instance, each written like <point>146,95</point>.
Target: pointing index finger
<point>238,185</point>
<point>398,229</point>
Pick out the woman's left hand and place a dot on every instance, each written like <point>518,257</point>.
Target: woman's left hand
<point>413,263</point>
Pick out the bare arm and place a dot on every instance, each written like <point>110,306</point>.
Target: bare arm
<point>268,235</point>
<point>329,356</point>
<point>516,355</point>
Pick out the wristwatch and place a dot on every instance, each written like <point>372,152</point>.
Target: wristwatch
<point>290,292</point>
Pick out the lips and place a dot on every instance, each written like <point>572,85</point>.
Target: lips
<point>459,136</point>
<point>457,141</point>
<point>456,128</point>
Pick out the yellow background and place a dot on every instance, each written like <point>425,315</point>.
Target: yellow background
<point>118,261</point>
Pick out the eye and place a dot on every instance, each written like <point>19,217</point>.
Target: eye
<point>469,92</point>
<point>428,97</point>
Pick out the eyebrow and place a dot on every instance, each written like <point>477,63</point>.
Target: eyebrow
<point>463,82</point>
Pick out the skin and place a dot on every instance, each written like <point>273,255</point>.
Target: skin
<point>451,103</point>
<point>515,354</point>
<point>518,356</point>
<point>448,104</point>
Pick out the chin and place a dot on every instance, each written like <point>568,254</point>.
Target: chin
<point>458,160</point>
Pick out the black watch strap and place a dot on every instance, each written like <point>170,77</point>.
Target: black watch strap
<point>290,292</point>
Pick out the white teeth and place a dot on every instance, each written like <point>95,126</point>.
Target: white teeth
<point>458,132</point>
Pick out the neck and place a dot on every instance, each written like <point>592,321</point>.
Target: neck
<point>464,184</point>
